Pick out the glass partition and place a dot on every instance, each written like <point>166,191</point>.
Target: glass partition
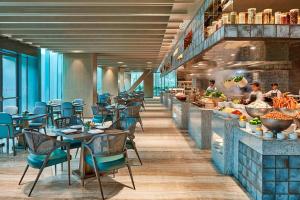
<point>9,80</point>
<point>134,77</point>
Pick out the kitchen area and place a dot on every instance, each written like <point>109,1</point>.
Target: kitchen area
<point>237,69</point>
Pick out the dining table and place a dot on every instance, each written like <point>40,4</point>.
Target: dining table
<point>84,171</point>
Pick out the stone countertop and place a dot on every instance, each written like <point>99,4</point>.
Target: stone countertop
<point>270,146</point>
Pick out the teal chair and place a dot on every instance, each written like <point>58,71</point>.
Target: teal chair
<point>44,151</point>
<point>8,130</point>
<point>39,123</point>
<point>67,109</point>
<point>101,114</point>
<point>107,153</point>
<point>78,107</point>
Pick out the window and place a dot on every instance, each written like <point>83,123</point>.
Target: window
<point>9,80</point>
<point>157,84</point>
<point>134,77</point>
<point>99,80</point>
<point>51,75</point>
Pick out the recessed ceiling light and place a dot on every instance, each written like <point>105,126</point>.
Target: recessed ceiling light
<point>149,62</point>
<point>77,51</point>
<point>120,62</point>
<point>232,55</point>
<point>253,48</point>
<point>7,35</point>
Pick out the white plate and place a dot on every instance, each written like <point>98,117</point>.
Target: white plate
<point>76,127</point>
<point>95,131</point>
<point>69,131</point>
<point>105,125</point>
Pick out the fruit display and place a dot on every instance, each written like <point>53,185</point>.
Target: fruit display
<point>237,112</point>
<point>255,121</point>
<point>285,102</point>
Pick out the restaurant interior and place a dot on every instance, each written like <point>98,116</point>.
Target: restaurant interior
<point>150,99</point>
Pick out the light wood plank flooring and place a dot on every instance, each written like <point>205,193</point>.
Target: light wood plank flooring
<point>173,170</point>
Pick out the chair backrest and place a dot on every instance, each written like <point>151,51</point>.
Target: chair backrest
<point>95,110</point>
<point>99,110</point>
<point>56,101</point>
<point>6,125</point>
<point>38,143</point>
<point>12,110</point>
<point>107,144</point>
<point>40,104</point>
<point>104,99</point>
<point>132,111</point>
<point>74,120</point>
<point>67,109</point>
<point>63,122</point>
<point>40,110</point>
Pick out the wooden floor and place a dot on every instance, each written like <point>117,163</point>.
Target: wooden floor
<point>173,169</point>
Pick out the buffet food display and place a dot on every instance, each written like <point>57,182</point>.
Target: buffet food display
<point>252,16</point>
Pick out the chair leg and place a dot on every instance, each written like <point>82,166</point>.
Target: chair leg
<point>36,180</point>
<point>26,168</point>
<point>69,166</point>
<point>45,130</point>
<point>7,146</point>
<point>141,123</point>
<point>14,147</point>
<point>137,154</point>
<point>76,152</point>
<point>131,177</point>
<point>55,170</point>
<point>98,178</point>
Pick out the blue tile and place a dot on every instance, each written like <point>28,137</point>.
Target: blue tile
<point>294,162</point>
<point>294,174</point>
<point>282,175</point>
<point>282,197</point>
<point>294,187</point>
<point>269,187</point>
<point>282,162</point>
<point>282,188</point>
<point>268,197</point>
<point>269,162</point>
<point>268,174</point>
<point>294,197</point>
<point>258,195</point>
<point>254,167</point>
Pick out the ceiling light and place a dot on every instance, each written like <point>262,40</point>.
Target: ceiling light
<point>19,39</point>
<point>77,51</point>
<point>253,48</point>
<point>120,62</point>
<point>28,43</point>
<point>7,35</point>
<point>149,62</point>
<point>232,55</point>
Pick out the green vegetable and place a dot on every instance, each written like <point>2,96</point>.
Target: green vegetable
<point>255,121</point>
<point>238,78</point>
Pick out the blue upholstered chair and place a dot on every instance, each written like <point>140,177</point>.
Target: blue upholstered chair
<point>8,130</point>
<point>54,109</point>
<point>39,123</point>
<point>101,114</point>
<point>79,103</point>
<point>104,99</point>
<point>44,151</point>
<point>65,122</point>
<point>67,109</point>
<point>40,104</point>
<point>133,112</point>
<point>107,153</point>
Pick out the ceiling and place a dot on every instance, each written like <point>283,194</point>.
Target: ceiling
<point>127,33</point>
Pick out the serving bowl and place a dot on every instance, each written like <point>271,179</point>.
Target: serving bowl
<point>257,112</point>
<point>289,112</point>
<point>276,125</point>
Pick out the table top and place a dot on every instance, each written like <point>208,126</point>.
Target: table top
<point>28,117</point>
<point>83,135</point>
<point>115,107</point>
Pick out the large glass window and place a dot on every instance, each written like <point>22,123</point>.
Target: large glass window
<point>170,80</point>
<point>134,77</point>
<point>51,75</point>
<point>157,84</point>
<point>9,80</point>
<point>99,80</point>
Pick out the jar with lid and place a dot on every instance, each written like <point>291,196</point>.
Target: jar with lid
<point>277,17</point>
<point>267,16</point>
<point>242,18</point>
<point>233,18</point>
<point>258,18</point>
<point>225,18</point>
<point>294,14</point>
<point>251,15</point>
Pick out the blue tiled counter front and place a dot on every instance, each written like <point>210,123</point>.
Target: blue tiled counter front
<point>180,112</point>
<point>267,169</point>
<point>199,126</point>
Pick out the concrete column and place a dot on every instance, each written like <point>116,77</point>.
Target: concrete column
<point>110,80</point>
<point>79,79</point>
<point>121,80</point>
<point>148,85</point>
<point>127,80</point>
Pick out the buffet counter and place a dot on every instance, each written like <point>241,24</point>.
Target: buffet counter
<point>180,113</point>
<point>266,168</point>
<point>166,98</point>
<point>199,126</point>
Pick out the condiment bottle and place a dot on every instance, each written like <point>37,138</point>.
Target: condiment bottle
<point>225,18</point>
<point>283,18</point>
<point>251,15</point>
<point>277,17</point>
<point>233,18</point>
<point>267,16</point>
<point>294,14</point>
<point>242,18</point>
<point>258,18</point>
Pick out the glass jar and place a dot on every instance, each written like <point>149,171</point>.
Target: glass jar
<point>251,15</point>
<point>225,18</point>
<point>294,14</point>
<point>277,17</point>
<point>258,18</point>
<point>233,18</point>
<point>267,16</point>
<point>283,18</point>
<point>242,18</point>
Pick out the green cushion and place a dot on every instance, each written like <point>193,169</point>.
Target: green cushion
<point>99,118</point>
<point>105,164</point>
<point>56,157</point>
<point>35,125</point>
<point>74,144</point>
